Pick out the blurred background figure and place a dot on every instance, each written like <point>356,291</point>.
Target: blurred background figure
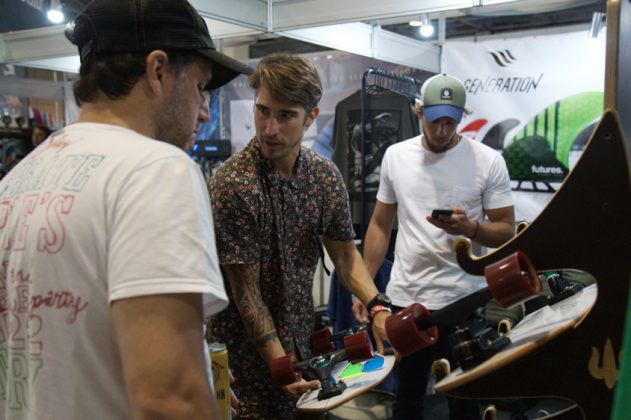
<point>40,133</point>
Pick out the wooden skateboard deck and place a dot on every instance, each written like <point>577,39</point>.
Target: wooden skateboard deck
<point>617,92</point>
<point>359,378</point>
<point>586,226</point>
<point>533,331</point>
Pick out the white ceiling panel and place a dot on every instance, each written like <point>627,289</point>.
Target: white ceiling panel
<point>305,13</point>
<point>251,14</point>
<point>371,41</point>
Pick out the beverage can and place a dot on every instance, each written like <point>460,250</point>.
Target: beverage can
<point>219,366</point>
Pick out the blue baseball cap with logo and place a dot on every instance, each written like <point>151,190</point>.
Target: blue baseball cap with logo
<point>443,96</point>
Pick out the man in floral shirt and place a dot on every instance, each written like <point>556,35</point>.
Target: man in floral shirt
<point>273,204</point>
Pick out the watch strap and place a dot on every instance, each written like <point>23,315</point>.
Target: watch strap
<point>379,299</point>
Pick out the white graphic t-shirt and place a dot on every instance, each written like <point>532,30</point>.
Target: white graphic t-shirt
<point>96,213</point>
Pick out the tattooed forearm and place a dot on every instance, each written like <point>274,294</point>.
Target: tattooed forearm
<point>262,341</point>
<point>257,320</point>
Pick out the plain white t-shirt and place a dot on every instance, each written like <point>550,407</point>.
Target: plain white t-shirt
<point>472,176</point>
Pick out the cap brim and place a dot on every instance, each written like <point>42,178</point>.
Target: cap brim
<point>225,68</point>
<point>434,112</point>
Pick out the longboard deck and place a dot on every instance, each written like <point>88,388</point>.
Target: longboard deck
<point>355,385</point>
<point>617,91</point>
<point>531,332</point>
<point>584,227</point>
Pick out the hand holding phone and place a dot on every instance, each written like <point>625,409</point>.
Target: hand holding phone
<point>441,212</point>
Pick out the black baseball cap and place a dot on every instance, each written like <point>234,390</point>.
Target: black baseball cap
<point>119,26</point>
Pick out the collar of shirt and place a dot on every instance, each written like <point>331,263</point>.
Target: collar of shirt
<point>268,169</point>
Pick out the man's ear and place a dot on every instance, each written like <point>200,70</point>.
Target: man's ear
<point>312,117</point>
<point>156,68</point>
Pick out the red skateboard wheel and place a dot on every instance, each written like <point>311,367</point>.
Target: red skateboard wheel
<point>358,347</point>
<point>403,333</point>
<point>512,279</point>
<point>321,341</point>
<point>283,371</point>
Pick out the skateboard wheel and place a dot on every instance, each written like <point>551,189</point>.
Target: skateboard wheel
<point>403,333</point>
<point>321,341</point>
<point>512,279</point>
<point>490,413</point>
<point>504,326</point>
<point>283,371</point>
<point>440,369</point>
<point>358,347</point>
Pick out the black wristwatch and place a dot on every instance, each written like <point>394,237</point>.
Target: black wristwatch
<point>381,299</point>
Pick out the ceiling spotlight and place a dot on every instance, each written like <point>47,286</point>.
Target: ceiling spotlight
<point>426,29</point>
<point>55,14</point>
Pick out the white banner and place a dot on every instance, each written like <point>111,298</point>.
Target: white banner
<point>533,98</point>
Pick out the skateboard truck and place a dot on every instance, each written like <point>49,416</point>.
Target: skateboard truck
<point>510,280</point>
<point>321,366</point>
<point>357,347</point>
<point>560,287</point>
<point>474,342</point>
<point>322,341</point>
<point>534,304</point>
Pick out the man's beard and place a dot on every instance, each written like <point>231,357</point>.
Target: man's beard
<point>170,121</point>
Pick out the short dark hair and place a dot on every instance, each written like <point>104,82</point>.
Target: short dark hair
<point>115,74</point>
<point>289,77</point>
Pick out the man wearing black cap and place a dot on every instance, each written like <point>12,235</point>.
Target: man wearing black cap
<point>438,170</point>
<point>108,262</point>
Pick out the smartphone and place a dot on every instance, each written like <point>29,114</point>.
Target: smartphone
<point>441,212</point>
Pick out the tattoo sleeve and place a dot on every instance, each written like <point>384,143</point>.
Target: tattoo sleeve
<point>244,280</point>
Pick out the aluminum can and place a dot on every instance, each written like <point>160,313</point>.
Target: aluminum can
<point>219,365</point>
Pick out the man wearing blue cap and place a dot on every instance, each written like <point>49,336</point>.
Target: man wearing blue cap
<point>440,169</point>
<point>108,263</point>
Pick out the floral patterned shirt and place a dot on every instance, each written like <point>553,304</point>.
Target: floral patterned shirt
<point>263,218</point>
